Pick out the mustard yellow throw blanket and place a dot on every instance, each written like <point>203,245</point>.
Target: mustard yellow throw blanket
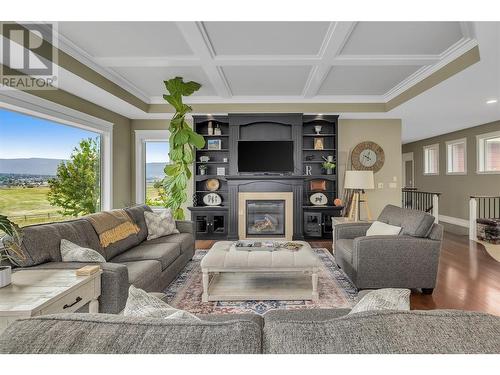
<point>112,226</point>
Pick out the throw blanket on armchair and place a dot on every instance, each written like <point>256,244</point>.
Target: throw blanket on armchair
<point>112,226</point>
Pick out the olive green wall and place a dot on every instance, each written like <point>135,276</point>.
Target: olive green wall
<point>387,134</point>
<point>121,139</point>
<point>456,189</point>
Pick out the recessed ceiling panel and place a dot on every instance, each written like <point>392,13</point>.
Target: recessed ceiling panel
<point>116,39</point>
<point>150,79</point>
<point>364,80</point>
<point>266,80</point>
<point>266,38</point>
<point>402,38</point>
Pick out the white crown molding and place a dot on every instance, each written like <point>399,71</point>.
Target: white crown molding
<point>276,99</point>
<point>458,49</point>
<point>85,58</point>
<point>386,60</point>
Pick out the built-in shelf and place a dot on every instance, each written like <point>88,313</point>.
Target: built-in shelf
<point>210,150</point>
<point>215,136</point>
<point>210,191</point>
<point>200,177</point>
<point>312,149</point>
<point>323,207</point>
<point>212,162</point>
<point>319,135</point>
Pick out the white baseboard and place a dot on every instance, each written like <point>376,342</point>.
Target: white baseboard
<point>454,220</point>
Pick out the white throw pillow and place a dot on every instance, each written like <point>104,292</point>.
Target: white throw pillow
<point>160,224</point>
<point>143,304</point>
<point>384,299</point>
<point>382,229</point>
<point>71,252</point>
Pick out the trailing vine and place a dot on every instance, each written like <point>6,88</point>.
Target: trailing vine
<point>183,141</point>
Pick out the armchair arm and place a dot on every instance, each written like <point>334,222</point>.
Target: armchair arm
<point>185,226</point>
<point>396,261</point>
<point>351,230</point>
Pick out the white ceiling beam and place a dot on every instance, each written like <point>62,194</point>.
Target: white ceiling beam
<point>371,60</point>
<point>334,41</point>
<point>198,40</point>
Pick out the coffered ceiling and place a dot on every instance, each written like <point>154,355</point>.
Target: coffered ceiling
<point>239,62</point>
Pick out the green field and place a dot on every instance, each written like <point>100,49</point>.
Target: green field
<point>27,206</point>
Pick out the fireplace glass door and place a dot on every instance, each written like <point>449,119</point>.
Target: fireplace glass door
<point>265,217</point>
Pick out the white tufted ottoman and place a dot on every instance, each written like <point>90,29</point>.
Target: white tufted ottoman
<point>259,275</point>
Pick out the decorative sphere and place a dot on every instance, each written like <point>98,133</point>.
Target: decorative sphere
<point>337,202</point>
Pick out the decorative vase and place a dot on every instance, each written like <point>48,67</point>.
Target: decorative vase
<point>329,171</point>
<point>203,172</point>
<point>5,276</point>
<point>317,129</point>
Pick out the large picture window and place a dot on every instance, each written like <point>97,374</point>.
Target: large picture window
<point>456,157</point>
<point>38,169</point>
<point>488,153</point>
<point>431,160</point>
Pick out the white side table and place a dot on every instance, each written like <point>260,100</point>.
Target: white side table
<point>42,292</point>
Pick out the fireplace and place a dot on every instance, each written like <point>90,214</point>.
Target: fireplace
<point>265,218</point>
<point>265,215</point>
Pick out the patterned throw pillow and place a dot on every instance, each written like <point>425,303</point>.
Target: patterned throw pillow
<point>71,252</point>
<point>384,299</point>
<point>160,224</point>
<point>143,304</point>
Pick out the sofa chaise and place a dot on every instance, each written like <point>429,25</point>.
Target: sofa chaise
<point>278,332</point>
<point>408,260</point>
<point>149,265</point>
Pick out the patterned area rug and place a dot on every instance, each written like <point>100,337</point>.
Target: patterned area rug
<point>335,291</point>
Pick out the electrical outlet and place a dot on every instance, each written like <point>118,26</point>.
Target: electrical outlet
<point>380,185</point>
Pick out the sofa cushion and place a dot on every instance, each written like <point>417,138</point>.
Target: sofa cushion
<point>144,273</point>
<point>344,248</point>
<point>184,240</point>
<point>438,331</point>
<point>165,253</point>
<point>137,214</point>
<point>41,243</point>
<point>160,224</point>
<point>71,252</point>
<point>115,334</point>
<point>383,299</point>
<point>414,223</point>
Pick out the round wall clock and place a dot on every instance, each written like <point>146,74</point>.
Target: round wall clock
<point>318,199</point>
<point>367,156</point>
<point>212,199</point>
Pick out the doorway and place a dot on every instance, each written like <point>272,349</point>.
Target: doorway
<point>408,170</point>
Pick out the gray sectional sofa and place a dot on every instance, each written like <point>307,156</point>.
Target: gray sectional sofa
<point>278,332</point>
<point>408,260</point>
<point>149,265</point>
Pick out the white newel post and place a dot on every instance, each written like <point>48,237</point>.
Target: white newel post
<point>435,207</point>
<point>472,219</point>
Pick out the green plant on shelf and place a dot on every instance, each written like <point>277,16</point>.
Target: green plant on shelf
<point>328,165</point>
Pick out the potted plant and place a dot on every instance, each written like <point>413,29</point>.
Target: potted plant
<point>203,169</point>
<point>10,248</point>
<point>328,165</point>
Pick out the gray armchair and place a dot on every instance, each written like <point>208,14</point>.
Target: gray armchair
<point>408,260</point>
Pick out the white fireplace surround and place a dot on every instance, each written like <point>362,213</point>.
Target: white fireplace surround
<point>242,215</point>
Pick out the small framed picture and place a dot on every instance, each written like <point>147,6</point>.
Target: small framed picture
<point>214,144</point>
<point>318,143</point>
<point>221,171</point>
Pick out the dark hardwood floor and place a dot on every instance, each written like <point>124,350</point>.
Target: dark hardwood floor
<point>468,277</point>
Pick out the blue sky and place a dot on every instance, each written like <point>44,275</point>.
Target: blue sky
<point>23,136</point>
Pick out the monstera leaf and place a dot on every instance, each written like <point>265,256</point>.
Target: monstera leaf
<point>183,140</point>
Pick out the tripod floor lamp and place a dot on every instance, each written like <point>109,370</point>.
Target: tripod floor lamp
<point>358,181</point>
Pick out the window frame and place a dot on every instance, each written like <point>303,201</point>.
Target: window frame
<point>452,143</point>
<point>480,152</point>
<point>428,147</point>
<point>141,137</point>
<point>31,105</point>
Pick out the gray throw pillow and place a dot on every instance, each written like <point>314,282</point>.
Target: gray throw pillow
<point>384,299</point>
<point>143,304</point>
<point>160,224</point>
<point>71,252</point>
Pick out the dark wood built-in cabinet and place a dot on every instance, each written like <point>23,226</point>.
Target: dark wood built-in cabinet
<point>221,222</point>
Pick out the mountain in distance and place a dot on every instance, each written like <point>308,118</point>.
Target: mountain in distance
<point>48,167</point>
<point>33,166</point>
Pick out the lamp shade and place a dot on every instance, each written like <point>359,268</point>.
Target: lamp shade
<point>359,180</point>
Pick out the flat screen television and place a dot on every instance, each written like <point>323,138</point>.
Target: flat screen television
<point>265,156</point>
